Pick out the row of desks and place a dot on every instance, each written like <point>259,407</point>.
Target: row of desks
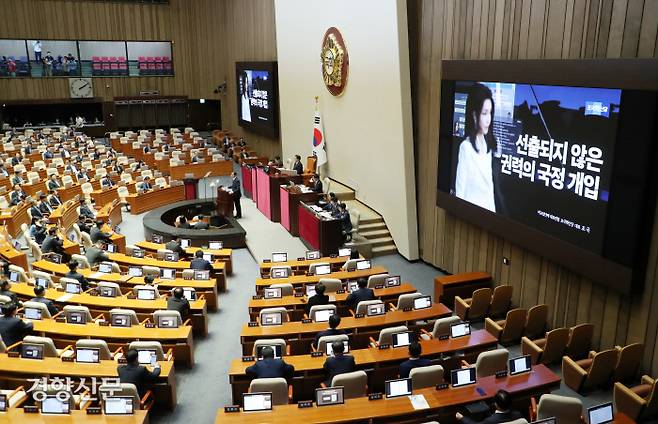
<point>224,255</point>
<point>300,281</point>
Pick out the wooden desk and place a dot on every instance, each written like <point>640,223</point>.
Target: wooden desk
<point>299,281</point>
<point>17,215</point>
<point>446,287</point>
<point>199,170</point>
<point>224,255</point>
<point>179,339</point>
<point>98,304</point>
<point>290,200</point>
<point>300,336</point>
<point>19,369</point>
<point>152,199</point>
<point>443,403</point>
<point>65,215</point>
<point>318,233</point>
<point>296,305</point>
<point>16,415</point>
<point>68,193</point>
<point>111,211</point>
<point>309,372</point>
<point>33,189</point>
<point>301,266</point>
<point>105,196</point>
<point>9,253</point>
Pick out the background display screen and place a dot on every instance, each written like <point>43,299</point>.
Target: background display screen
<point>257,96</point>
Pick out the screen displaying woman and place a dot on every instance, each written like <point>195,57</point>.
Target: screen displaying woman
<point>245,107</point>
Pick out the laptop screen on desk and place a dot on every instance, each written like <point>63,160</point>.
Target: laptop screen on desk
<point>400,387</point>
<point>462,377</point>
<point>279,257</point>
<point>423,302</point>
<point>105,268</point>
<point>271,318</point>
<point>520,365</point>
<point>375,309</point>
<point>216,245</point>
<point>3,403</point>
<point>402,339</point>
<point>121,320</point>
<point>393,281</point>
<point>138,253</point>
<point>32,313</point>
<point>73,288</point>
<point>145,294</point>
<point>329,396</point>
<point>76,317</point>
<point>171,257</point>
<point>600,414</point>
<point>329,350</point>
<point>157,238</point>
<point>110,248</point>
<point>202,275</point>
<point>31,351</point>
<point>135,271</point>
<point>185,243</point>
<point>42,282</point>
<point>168,274</point>
<point>189,294</point>
<point>346,251</point>
<point>363,265</point>
<point>312,254</point>
<point>323,315</point>
<point>118,405</point>
<point>257,402</point>
<point>147,356</point>
<point>87,355</point>
<point>310,290</point>
<point>272,292</point>
<point>14,276</point>
<point>352,286</point>
<point>167,322</point>
<point>52,405</point>
<point>460,329</point>
<point>105,291</point>
<point>275,348</point>
<point>279,273</point>
<point>322,270</point>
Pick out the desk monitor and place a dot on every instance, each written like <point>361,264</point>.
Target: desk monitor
<point>111,247</point>
<point>271,318</point>
<point>185,243</point>
<point>460,329</point>
<point>52,405</point>
<point>202,274</point>
<point>462,377</point>
<point>216,245</point>
<point>14,277</point>
<point>167,322</point>
<point>310,290</point>
<point>272,293</point>
<point>171,257</point>
<point>376,309</point>
<point>138,253</point>
<point>352,286</point>
<point>157,238</point>
<point>364,264</point>
<point>3,403</point>
<point>118,405</point>
<point>189,294</point>
<point>207,256</point>
<point>257,402</point>
<point>121,320</point>
<point>520,365</point>
<point>323,269</point>
<point>105,268</point>
<point>146,294</point>
<point>329,350</point>
<point>275,348</point>
<point>32,313</point>
<point>329,396</point>
<point>423,302</point>
<point>55,258</point>
<point>168,274</point>
<point>551,420</point>
<point>73,288</point>
<point>402,339</point>
<point>40,281</point>
<point>600,414</point>
<point>135,271</point>
<point>105,291</point>
<point>16,244</point>
<point>313,254</point>
<point>31,351</point>
<point>393,281</point>
<point>147,356</point>
<point>88,355</point>
<point>323,315</point>
<point>76,317</point>
<point>399,387</point>
<point>279,273</point>
<point>345,251</point>
<point>279,257</point>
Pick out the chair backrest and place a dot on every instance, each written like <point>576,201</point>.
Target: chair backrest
<point>490,362</point>
<point>442,325</point>
<point>428,376</point>
<point>536,322</point>
<point>514,326</point>
<point>603,365</point>
<point>628,361</point>
<point>122,389</point>
<point>556,343</point>
<point>35,249</point>
<point>81,259</point>
<point>3,346</point>
<point>286,288</point>
<point>270,342</point>
<point>133,315</point>
<point>311,267</point>
<point>386,334</point>
<point>86,242</point>
<point>314,310</point>
<point>566,409</point>
<point>151,270</point>
<point>148,345</point>
<point>355,384</point>
<point>45,313</point>
<point>500,300</point>
<point>21,272</point>
<point>40,274</point>
<point>407,300</point>
<point>101,345</point>
<point>331,285</point>
<point>167,314</point>
<point>580,341</point>
<point>362,307</point>
<point>49,350</point>
<point>284,313</point>
<point>277,386</point>
<point>377,280</point>
<point>139,287</point>
<point>350,265</point>
<point>479,303</point>
<point>80,309</point>
<point>322,341</point>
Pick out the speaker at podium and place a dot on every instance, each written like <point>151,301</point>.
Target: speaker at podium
<point>224,202</point>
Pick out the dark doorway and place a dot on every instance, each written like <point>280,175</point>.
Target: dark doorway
<point>205,116</point>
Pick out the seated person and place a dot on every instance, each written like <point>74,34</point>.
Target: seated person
<point>95,254</point>
<point>44,206</point>
<point>178,302</point>
<point>34,209</point>
<point>339,363</point>
<point>97,233</point>
<point>37,230</point>
<point>53,184</point>
<point>54,244</point>
<point>504,412</point>
<point>146,184</point>
<point>269,367</point>
<point>415,350</point>
<point>5,290</point>
<point>199,224</point>
<point>360,294</point>
<point>332,206</point>
<point>17,178</point>
<point>39,293</point>
<point>85,210</point>
<point>17,195</point>
<point>13,329</point>
<point>297,166</point>
<point>174,246</point>
<point>84,224</point>
<point>106,182</point>
<point>181,222</point>
<point>75,275</point>
<point>316,184</point>
<point>201,264</point>
<point>334,322</point>
<point>134,373</point>
<point>319,298</point>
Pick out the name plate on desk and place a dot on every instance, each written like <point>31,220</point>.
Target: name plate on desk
<point>301,259</point>
<point>13,354</point>
<point>122,360</point>
<point>379,286</point>
<point>248,359</point>
<point>149,325</point>
<point>375,396</point>
<point>68,359</point>
<point>231,408</point>
<point>257,297</point>
<point>267,261</point>
<point>384,346</point>
<point>340,291</point>
<point>309,274</point>
<point>104,323</point>
<point>317,354</point>
<point>131,296</point>
<point>60,319</point>
<point>31,409</point>
<point>359,315</point>
<point>305,404</point>
<point>265,276</point>
<point>442,386</point>
<point>299,294</point>
<point>252,324</point>
<point>94,410</point>
<point>444,336</point>
<point>407,309</point>
<point>333,255</point>
<point>501,374</point>
<point>307,321</point>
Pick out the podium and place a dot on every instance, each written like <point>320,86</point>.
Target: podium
<point>224,203</point>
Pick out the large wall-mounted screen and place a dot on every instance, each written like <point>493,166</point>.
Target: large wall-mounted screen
<point>257,97</point>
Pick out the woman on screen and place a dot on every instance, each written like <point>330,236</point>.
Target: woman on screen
<point>245,113</point>
<point>474,181</point>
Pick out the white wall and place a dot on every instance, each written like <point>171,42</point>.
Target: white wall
<point>368,129</point>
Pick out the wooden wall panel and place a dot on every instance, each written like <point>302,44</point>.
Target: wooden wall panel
<point>523,29</point>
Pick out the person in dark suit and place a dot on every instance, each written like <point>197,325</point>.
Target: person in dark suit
<point>53,184</point>
<point>269,367</point>
<point>5,290</point>
<point>317,184</point>
<point>52,243</point>
<point>3,170</point>
<point>97,234</point>
<point>106,182</point>
<point>16,159</point>
<point>17,195</point>
<point>237,194</point>
<point>297,166</point>
<point>414,360</point>
<point>85,210</point>
<point>504,412</point>
<point>75,275</point>
<point>334,322</point>
<point>174,246</point>
<point>39,292</point>
<point>177,302</point>
<point>84,224</point>
<point>37,230</point>
<point>146,185</point>
<point>361,294</point>
<point>54,199</point>
<point>181,222</point>
<point>337,364</point>
<point>199,263</point>
<point>34,209</point>
<point>95,254</point>
<point>17,178</point>
<point>319,298</point>
<point>346,222</point>
<point>332,206</point>
<point>44,206</point>
<point>12,329</point>
<point>134,373</point>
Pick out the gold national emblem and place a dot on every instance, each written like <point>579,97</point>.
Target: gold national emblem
<point>335,61</point>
